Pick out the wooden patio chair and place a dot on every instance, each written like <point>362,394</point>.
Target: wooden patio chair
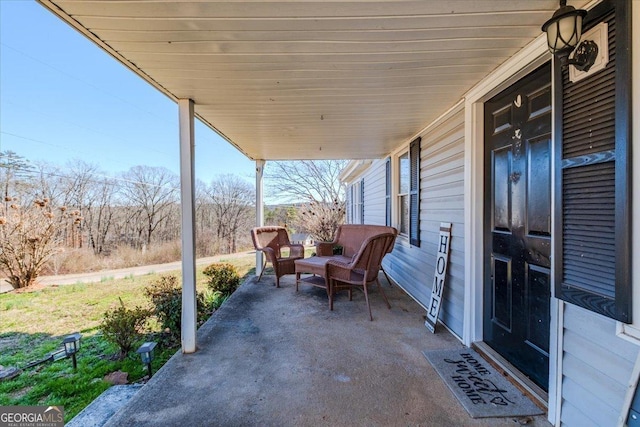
<point>271,241</point>
<point>362,270</point>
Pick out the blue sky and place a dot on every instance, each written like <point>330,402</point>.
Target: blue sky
<point>62,98</point>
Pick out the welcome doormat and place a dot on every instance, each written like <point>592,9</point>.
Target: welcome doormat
<point>478,386</point>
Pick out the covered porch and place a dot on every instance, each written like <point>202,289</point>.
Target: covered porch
<point>305,80</point>
<point>360,80</point>
<point>274,357</point>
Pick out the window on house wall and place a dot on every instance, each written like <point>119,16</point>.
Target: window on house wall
<point>403,194</point>
<point>387,192</point>
<point>362,201</point>
<point>355,203</point>
<point>349,206</point>
<point>414,193</point>
<point>408,220</point>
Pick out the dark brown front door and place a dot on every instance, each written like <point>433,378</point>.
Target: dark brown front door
<point>517,285</point>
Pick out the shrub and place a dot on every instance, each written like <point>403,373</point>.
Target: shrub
<point>321,219</point>
<point>73,260</point>
<point>166,297</point>
<point>213,299</point>
<point>29,236</point>
<point>223,277</point>
<point>122,327</point>
<point>127,256</point>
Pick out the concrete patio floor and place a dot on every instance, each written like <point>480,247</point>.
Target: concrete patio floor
<point>274,357</point>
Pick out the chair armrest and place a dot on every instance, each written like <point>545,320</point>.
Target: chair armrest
<point>296,250</point>
<point>336,269</point>
<point>270,254</point>
<point>324,248</point>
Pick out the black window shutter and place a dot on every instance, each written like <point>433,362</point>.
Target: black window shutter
<point>414,192</point>
<point>362,201</point>
<point>387,193</point>
<point>593,268</point>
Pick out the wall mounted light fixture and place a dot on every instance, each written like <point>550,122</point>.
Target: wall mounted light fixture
<point>564,30</point>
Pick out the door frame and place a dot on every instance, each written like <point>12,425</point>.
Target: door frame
<point>524,62</point>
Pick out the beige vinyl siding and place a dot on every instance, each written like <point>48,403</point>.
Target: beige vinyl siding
<point>597,367</point>
<point>441,200</point>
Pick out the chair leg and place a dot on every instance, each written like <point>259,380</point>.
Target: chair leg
<point>383,294</point>
<point>387,277</point>
<point>366,297</point>
<point>331,291</point>
<point>277,281</point>
<point>264,264</point>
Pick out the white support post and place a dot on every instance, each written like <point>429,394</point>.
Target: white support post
<point>187,206</point>
<point>259,209</point>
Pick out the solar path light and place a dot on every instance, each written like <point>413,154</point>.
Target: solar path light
<point>146,354</point>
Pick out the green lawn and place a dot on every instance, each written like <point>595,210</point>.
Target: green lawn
<point>32,324</point>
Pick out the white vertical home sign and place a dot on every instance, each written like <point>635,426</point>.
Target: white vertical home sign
<point>442,260</point>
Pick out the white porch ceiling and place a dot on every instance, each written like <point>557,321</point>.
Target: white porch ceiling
<point>312,79</point>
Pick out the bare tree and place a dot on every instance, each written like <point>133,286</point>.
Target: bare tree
<point>152,191</point>
<point>28,239</point>
<point>100,212</point>
<point>79,179</point>
<point>281,215</point>
<point>50,182</point>
<point>83,188</point>
<point>204,213</point>
<point>206,242</point>
<point>126,223</point>
<point>306,180</point>
<point>315,186</point>
<point>232,201</point>
<point>15,173</point>
<point>168,229</point>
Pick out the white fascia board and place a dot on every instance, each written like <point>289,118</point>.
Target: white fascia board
<point>353,170</point>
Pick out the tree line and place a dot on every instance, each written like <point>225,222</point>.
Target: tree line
<point>138,208</point>
<point>99,212</point>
